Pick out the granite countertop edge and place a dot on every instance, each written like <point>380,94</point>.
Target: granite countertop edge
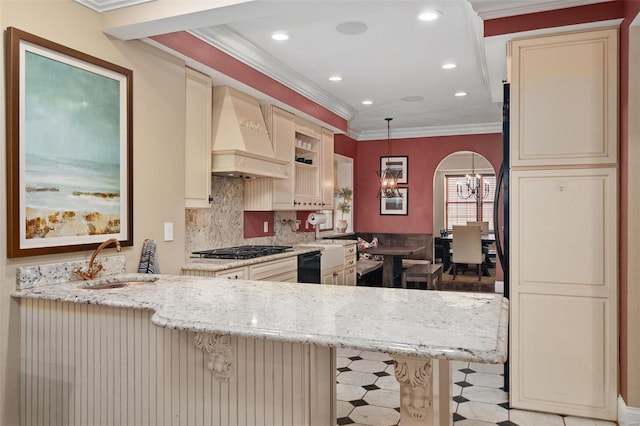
<point>216,305</point>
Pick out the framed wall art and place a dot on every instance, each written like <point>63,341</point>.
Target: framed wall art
<point>395,205</point>
<point>69,148</point>
<point>397,164</point>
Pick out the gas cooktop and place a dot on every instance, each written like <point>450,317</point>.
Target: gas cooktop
<point>241,252</point>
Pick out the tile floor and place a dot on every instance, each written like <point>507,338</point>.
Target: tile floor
<point>368,395</point>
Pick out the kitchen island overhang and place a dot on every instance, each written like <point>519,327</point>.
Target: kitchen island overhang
<point>412,326</point>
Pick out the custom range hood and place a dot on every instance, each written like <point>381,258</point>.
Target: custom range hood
<point>241,143</point>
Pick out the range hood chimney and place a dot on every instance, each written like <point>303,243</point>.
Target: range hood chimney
<point>241,143</point>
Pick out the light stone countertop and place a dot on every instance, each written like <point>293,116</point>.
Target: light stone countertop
<point>448,325</point>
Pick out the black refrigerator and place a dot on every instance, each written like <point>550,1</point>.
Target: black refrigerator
<point>501,207</point>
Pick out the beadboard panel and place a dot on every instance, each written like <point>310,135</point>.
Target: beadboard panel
<point>96,365</point>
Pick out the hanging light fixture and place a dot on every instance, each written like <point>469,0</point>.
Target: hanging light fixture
<point>472,187</point>
<point>389,178</point>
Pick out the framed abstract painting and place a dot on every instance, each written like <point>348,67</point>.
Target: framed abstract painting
<point>395,205</point>
<point>69,148</point>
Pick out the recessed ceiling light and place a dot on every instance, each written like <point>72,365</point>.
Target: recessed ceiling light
<point>429,15</point>
<point>280,36</point>
<point>367,102</point>
<point>449,66</point>
<point>335,78</point>
<point>459,94</point>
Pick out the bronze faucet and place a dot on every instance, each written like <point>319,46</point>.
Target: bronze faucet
<point>93,270</point>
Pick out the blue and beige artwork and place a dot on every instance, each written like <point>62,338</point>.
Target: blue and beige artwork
<point>71,144</point>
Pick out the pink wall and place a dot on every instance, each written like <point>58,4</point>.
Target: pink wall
<point>254,224</point>
<point>344,145</point>
<point>554,18</point>
<point>424,156</point>
<point>205,53</point>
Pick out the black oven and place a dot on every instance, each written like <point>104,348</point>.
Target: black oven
<point>309,267</point>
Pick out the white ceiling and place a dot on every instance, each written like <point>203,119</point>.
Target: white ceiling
<point>396,62</point>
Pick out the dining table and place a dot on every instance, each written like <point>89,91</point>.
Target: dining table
<point>392,261</point>
<point>486,239</point>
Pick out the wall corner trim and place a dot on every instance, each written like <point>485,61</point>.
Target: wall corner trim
<point>627,416</point>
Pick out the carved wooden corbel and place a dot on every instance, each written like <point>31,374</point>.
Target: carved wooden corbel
<point>218,347</point>
<point>416,391</point>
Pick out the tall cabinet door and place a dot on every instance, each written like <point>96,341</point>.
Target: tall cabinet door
<point>564,99</point>
<point>563,224</point>
<point>563,298</point>
<point>282,139</point>
<point>197,186</point>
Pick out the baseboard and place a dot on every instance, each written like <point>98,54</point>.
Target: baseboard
<point>627,416</point>
<point>499,287</point>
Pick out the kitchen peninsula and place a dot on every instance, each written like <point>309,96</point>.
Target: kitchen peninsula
<point>205,351</point>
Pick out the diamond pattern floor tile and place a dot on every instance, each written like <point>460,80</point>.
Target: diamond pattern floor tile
<point>368,395</point>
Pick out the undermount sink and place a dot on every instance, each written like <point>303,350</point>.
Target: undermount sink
<point>118,282</point>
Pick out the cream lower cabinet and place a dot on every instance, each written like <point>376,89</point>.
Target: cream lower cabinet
<point>334,276</point>
<point>233,274</point>
<point>279,270</point>
<point>344,274</point>
<point>563,351</point>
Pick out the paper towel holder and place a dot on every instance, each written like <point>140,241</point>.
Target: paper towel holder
<point>316,219</point>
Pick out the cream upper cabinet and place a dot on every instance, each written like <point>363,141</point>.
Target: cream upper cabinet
<point>198,140</point>
<point>327,174</point>
<point>564,99</point>
<point>280,125</point>
<point>307,161</point>
<point>309,150</point>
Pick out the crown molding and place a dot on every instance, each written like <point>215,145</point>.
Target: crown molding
<point>494,9</point>
<point>421,132</point>
<point>106,5</point>
<point>230,42</point>
<point>477,35</point>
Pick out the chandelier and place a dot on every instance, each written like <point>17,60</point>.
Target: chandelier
<point>472,187</point>
<point>389,178</point>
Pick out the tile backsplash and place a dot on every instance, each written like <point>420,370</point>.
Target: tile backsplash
<point>222,224</point>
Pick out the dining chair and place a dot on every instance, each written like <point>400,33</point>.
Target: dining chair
<point>467,247</point>
<point>484,226</point>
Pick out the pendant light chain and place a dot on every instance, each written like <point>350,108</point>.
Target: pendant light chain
<point>388,178</point>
